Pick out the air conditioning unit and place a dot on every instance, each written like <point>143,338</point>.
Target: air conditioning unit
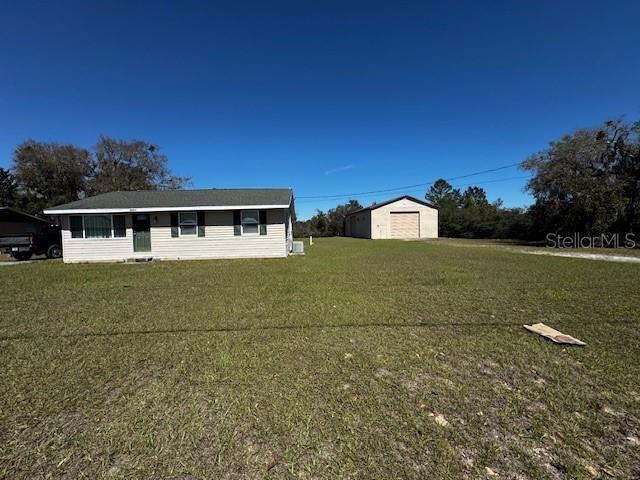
<point>298,248</point>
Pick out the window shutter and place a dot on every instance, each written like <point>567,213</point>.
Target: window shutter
<point>237,228</point>
<point>201,224</point>
<point>174,224</point>
<point>75,225</point>
<point>119,226</point>
<point>263,222</point>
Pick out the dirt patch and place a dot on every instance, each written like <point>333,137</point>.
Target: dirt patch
<point>132,384</point>
<point>118,466</point>
<point>439,419</point>
<point>586,256</point>
<point>383,373</point>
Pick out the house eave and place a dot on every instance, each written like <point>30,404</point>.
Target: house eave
<point>383,204</point>
<point>75,211</point>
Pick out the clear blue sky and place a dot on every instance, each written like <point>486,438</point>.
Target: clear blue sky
<point>325,97</point>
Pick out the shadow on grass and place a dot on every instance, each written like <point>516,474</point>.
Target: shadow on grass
<point>290,328</point>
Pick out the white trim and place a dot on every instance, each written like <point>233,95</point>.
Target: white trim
<point>186,208</point>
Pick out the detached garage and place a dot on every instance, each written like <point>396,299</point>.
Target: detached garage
<point>404,217</point>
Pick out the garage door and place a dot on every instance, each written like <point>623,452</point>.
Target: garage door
<point>405,225</point>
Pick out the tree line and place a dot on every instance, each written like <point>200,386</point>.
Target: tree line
<point>44,174</point>
<point>326,224</point>
<point>587,182</point>
<point>469,214</point>
<point>465,214</point>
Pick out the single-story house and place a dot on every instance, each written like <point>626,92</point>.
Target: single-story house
<point>403,217</point>
<point>15,222</point>
<point>177,224</point>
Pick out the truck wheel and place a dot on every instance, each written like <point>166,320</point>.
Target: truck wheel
<point>54,251</point>
<point>20,256</point>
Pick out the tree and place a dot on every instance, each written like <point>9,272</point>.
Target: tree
<point>336,216</point>
<point>131,165</point>
<point>474,197</point>
<point>441,193</point>
<point>8,188</point>
<point>470,215</point>
<point>448,201</point>
<point>588,182</point>
<point>51,173</point>
<point>320,223</point>
<point>326,224</point>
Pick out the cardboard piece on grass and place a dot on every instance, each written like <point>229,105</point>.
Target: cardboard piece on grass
<point>553,334</point>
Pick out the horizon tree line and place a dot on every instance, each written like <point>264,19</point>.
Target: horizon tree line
<point>587,182</point>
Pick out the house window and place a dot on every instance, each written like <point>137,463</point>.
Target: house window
<point>97,226</point>
<point>75,225</point>
<point>250,222</point>
<point>188,223</point>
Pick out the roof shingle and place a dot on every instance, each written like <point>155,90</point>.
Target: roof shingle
<point>212,197</point>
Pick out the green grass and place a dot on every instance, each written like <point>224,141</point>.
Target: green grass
<point>338,363</point>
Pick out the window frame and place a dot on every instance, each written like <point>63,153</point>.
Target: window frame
<point>196,225</point>
<point>242,222</point>
<point>84,226</point>
<point>111,231</point>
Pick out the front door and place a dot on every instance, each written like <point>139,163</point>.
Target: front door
<point>141,232</point>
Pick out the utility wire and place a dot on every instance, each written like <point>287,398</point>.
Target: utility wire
<point>522,177</point>
<point>504,167</point>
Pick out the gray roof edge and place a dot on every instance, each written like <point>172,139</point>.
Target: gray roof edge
<point>387,202</point>
<point>82,203</point>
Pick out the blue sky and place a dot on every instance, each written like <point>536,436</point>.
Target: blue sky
<point>325,97</point>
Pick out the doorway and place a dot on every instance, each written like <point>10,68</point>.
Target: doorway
<point>141,232</point>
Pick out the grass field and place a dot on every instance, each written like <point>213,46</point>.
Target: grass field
<point>362,359</point>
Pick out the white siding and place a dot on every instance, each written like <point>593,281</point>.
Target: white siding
<point>95,249</point>
<point>218,242</point>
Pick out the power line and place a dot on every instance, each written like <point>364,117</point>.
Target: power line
<point>327,197</point>
<point>522,177</point>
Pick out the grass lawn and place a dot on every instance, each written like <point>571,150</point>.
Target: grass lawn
<point>362,359</point>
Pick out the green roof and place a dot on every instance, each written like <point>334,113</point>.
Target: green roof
<point>160,199</point>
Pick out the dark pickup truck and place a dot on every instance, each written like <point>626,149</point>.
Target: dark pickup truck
<point>23,246</point>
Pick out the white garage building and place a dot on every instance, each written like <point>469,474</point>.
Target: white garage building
<point>403,217</point>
